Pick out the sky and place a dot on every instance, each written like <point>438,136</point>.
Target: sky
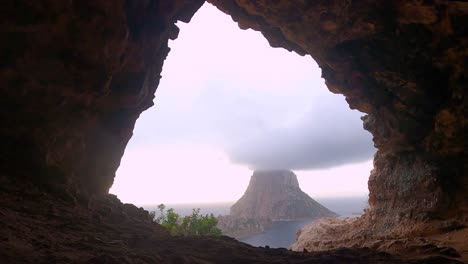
<point>228,104</point>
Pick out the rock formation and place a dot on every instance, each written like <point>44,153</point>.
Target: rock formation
<point>75,76</point>
<point>276,195</point>
<point>272,195</point>
<point>41,226</point>
<point>330,233</point>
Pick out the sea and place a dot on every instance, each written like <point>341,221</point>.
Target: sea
<point>283,233</point>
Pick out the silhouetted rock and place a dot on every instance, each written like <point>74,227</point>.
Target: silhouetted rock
<point>272,195</point>
<point>276,195</point>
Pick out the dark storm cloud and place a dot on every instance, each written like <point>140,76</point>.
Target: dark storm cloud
<point>329,135</point>
<point>253,131</point>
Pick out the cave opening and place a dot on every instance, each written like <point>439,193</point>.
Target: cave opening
<point>227,104</point>
<point>76,75</point>
<point>220,86</point>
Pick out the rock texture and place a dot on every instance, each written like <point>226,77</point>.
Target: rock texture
<point>276,195</point>
<point>331,233</point>
<point>75,75</point>
<point>49,226</point>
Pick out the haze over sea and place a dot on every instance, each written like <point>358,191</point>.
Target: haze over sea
<point>282,234</point>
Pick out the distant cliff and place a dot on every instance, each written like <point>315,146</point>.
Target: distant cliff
<point>275,194</point>
<point>272,195</point>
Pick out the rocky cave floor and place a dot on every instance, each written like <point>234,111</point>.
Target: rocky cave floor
<point>47,225</point>
<point>412,240</point>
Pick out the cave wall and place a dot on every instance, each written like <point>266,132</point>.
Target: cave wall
<point>75,75</point>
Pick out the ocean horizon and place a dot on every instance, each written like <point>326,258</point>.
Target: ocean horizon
<point>344,206</point>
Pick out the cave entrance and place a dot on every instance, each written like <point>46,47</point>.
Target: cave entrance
<point>228,103</point>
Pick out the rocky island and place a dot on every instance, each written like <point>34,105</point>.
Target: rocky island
<point>272,195</point>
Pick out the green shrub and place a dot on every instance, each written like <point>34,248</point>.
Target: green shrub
<point>192,225</point>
